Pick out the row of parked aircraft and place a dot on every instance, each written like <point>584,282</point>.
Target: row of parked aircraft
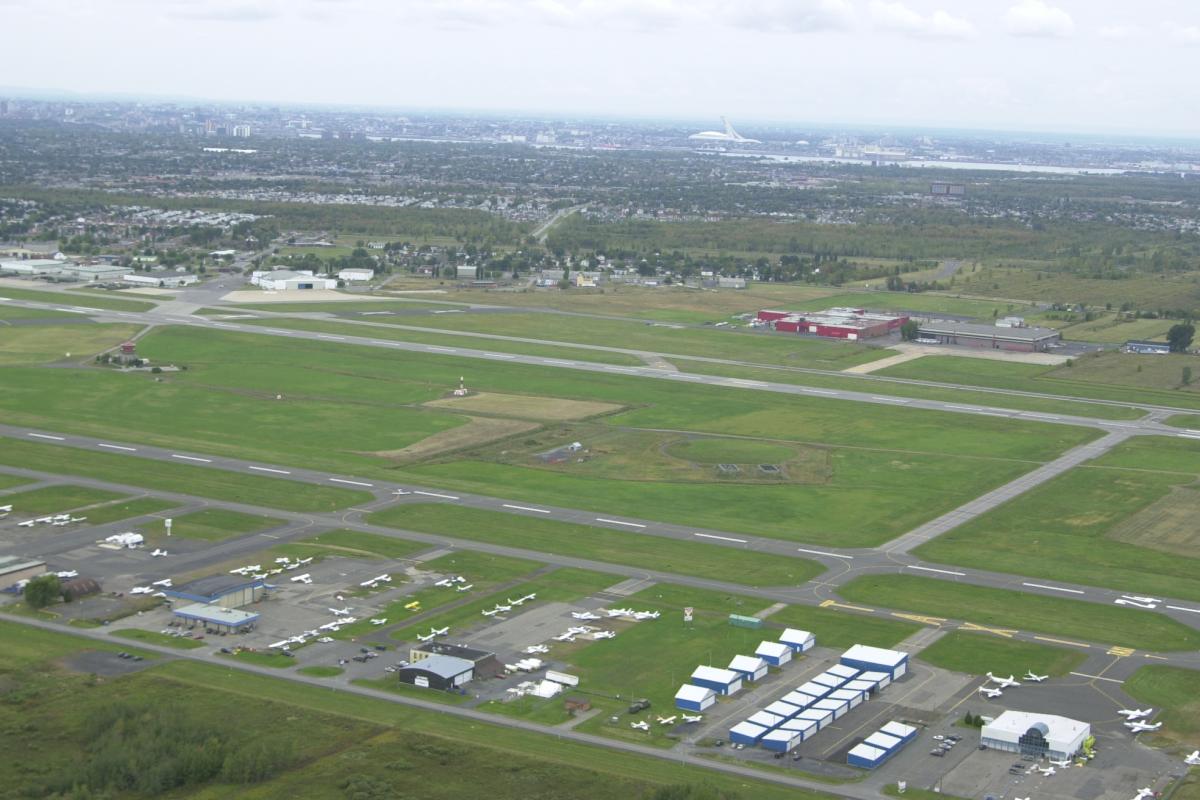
<point>373,583</point>
<point>644,725</point>
<point>505,607</point>
<point>1008,683</point>
<point>452,580</point>
<point>57,520</point>
<point>434,633</point>
<point>629,612</point>
<point>285,565</point>
<point>1132,715</point>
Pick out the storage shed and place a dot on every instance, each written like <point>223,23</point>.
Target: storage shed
<point>804,727</point>
<point>865,756</point>
<point>781,741</point>
<point>721,681</point>
<point>751,668</point>
<point>767,719</point>
<point>820,716</point>
<point>905,733</point>
<point>800,641</point>
<point>850,697</point>
<point>829,681</point>
<point>814,690</point>
<point>843,671</point>
<point>774,653</point>
<point>835,707</point>
<point>746,733</point>
<point>876,659</point>
<point>783,709</point>
<point>800,699</point>
<point>880,679</point>
<point>867,687</point>
<point>694,698</point>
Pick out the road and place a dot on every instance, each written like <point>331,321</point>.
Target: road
<point>543,230</point>
<point>842,565</point>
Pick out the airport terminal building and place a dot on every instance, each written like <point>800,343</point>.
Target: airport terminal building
<point>1036,734</point>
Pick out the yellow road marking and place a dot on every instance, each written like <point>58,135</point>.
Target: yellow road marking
<point>918,618</point>
<point>1121,651</point>
<point>835,604</point>
<point>1007,633</point>
<point>1061,641</point>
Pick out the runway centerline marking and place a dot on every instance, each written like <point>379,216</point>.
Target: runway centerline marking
<point>192,458</point>
<point>934,569</point>
<point>1053,588</point>
<point>525,508</point>
<point>435,494</point>
<point>1181,608</point>
<point>352,483</point>
<point>270,469</point>
<point>821,553</point>
<point>1061,641</point>
<point>117,447</point>
<point>721,538</point>
<point>619,522</point>
<point>47,436</point>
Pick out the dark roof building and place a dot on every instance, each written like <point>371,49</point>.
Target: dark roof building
<point>484,662</point>
<point>76,588</point>
<point>1027,340</point>
<point>227,591</point>
<point>438,672</point>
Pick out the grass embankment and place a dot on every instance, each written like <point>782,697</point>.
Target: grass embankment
<point>170,477</point>
<point>8,313</point>
<point>1005,608</point>
<point>601,544</point>
<point>979,653</point>
<point>12,481</point>
<point>320,671</point>
<point>154,637</point>
<point>1125,521</point>
<point>138,507</point>
<point>354,544</point>
<point>219,524</point>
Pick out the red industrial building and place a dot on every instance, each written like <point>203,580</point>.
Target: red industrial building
<point>834,323</point>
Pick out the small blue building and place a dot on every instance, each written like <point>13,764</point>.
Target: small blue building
<point>746,733</point>
<point>694,698</point>
<point>1147,348</point>
<point>721,681</point>
<point>876,659</point>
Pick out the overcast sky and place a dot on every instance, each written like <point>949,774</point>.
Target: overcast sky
<point>1045,65</point>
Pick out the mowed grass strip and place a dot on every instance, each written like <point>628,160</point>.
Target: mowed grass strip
<point>23,646</point>
<point>55,499</point>
<point>154,637</point>
<point>600,544</point>
<point>979,653</point>
<point>1006,608</point>
<point>81,300</point>
<point>37,344</point>
<point>219,524</point>
<point>841,629</point>
<point>138,507</point>
<point>165,476</point>
<point>1175,692</point>
<point>12,481</point>
<point>359,544</point>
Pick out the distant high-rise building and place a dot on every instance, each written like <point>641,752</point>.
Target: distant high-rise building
<point>242,131</point>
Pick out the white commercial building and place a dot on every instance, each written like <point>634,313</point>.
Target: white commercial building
<point>1035,734</point>
<point>282,280</point>
<point>167,280</point>
<point>352,274</point>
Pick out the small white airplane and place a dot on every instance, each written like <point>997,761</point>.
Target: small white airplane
<point>1064,764</point>
<point>299,638</point>
<point>1030,676</point>
<point>275,571</point>
<point>444,582</point>
<point>990,692</point>
<point>165,582</point>
<point>337,623</point>
<point>305,579</point>
<point>604,635</point>
<point>565,637</point>
<point>690,718</point>
<point>1131,714</point>
<point>487,613</point>
<point>160,594</point>
<point>584,615</point>
<point>78,519</point>
<point>424,638</point>
<point>141,590</point>
<point>282,643</point>
<point>45,519</point>
<point>531,596</point>
<point>302,561</point>
<point>667,720</point>
<point>26,524</point>
<point>347,620</point>
<point>379,621</point>
<point>340,612</point>
<point>440,631</point>
<point>537,648</point>
<point>68,573</point>
<point>640,726</point>
<point>61,517</point>
<point>460,579</point>
<point>6,508</point>
<point>157,553</point>
<point>503,608</point>
<point>282,560</point>
<point>518,602</point>
<point>1193,760</point>
<point>1143,794</point>
<point>1138,727</point>
<point>325,639</point>
<point>61,523</point>
<point>465,588</point>
<point>1047,771</point>
<point>1004,683</point>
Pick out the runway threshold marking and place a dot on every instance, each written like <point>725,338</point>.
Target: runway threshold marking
<point>1123,652</point>
<point>1096,677</point>
<point>47,436</point>
<point>117,447</point>
<point>836,604</point>
<point>1061,641</point>
<point>721,538</point>
<point>924,620</point>
<point>525,508</point>
<point>934,569</point>
<point>821,553</point>
<point>1007,633</point>
<point>619,522</point>
<point>1053,588</point>
<point>435,494</point>
<point>269,469</point>
<point>352,483</point>
<point>192,458</point>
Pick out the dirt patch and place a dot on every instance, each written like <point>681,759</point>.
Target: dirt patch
<point>478,431</point>
<point>99,662</point>
<point>1167,525</point>
<point>551,409</point>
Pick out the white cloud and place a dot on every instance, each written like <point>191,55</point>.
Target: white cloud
<point>1185,34</point>
<point>1120,32</point>
<point>1036,18</point>
<point>790,16</point>
<point>895,16</point>
<point>250,11</point>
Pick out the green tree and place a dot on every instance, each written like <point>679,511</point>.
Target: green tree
<point>909,330</point>
<point>1180,337</point>
<point>42,591</point>
<point>1186,376</point>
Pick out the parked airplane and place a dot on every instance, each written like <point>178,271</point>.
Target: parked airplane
<point>165,582</point>
<point>325,639</point>
<point>45,519</point>
<point>282,560</point>
<point>565,637</point>
<point>1004,683</point>
<point>1047,771</point>
<point>26,524</point>
<point>578,629</point>
<point>141,590</point>
<point>667,720</point>
<point>1065,763</point>
<point>990,692</point>
<point>584,615</point>
<point>337,623</point>
<point>640,726</point>
<point>379,621</point>
<point>466,588</point>
<point>503,608</point>
<point>1193,760</point>
<point>6,508</point>
<point>537,648</point>
<point>491,613</point>
<point>1143,794</point>
<point>1131,714</point>
<point>424,638</point>
<point>78,519</point>
<point>340,612</point>
<point>531,596</point>
<point>280,644</point>
<point>440,631</point>
<point>157,553</point>
<point>272,572</point>
<point>414,605</point>
<point>444,582</point>
<point>69,573</point>
<point>1030,676</point>
<point>691,718</point>
<point>1138,727</point>
<point>305,579</point>
<point>303,561</point>
<point>61,517</point>
<point>460,579</point>
<point>160,594</point>
<point>604,635</point>
<point>61,523</point>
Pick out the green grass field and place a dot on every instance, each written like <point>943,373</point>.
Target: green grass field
<point>154,637</point>
<point>1124,522</point>
<point>1111,329</point>
<point>841,629</point>
<point>167,477</point>
<point>979,653</point>
<point>1005,608</point>
<point>358,544</point>
<point>111,512</point>
<point>1175,692</point>
<point>320,671</point>
<point>77,299</point>
<point>37,344</point>
<point>10,481</point>
<point>8,313</point>
<point>219,524</point>
<point>57,499</point>
<point>600,544</point>
<point>1114,376</point>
